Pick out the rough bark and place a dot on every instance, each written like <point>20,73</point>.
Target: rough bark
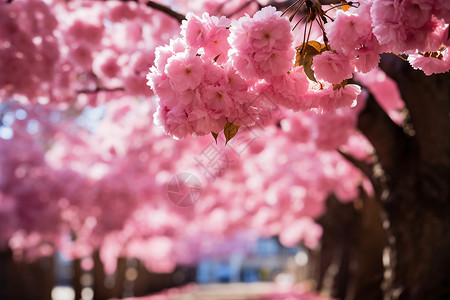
<point>337,247</point>
<point>349,264</point>
<point>411,181</point>
<point>367,266</point>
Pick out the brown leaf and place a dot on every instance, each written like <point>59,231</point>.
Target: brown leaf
<point>230,131</point>
<point>345,7</point>
<point>315,45</point>
<point>307,64</point>
<point>305,54</point>
<point>215,135</point>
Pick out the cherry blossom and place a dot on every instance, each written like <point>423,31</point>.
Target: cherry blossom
<point>431,63</point>
<point>262,45</point>
<point>332,67</point>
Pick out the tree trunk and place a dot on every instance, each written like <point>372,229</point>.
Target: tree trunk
<point>349,264</point>
<point>411,180</point>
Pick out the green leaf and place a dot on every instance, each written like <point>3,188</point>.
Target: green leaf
<point>230,131</point>
<point>215,135</point>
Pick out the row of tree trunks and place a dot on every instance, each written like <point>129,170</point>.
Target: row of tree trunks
<point>24,280</point>
<point>144,282</point>
<point>411,179</point>
<point>21,280</point>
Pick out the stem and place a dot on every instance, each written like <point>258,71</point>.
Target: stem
<point>322,27</point>
<point>298,22</point>
<point>295,11</point>
<point>304,37</point>
<point>309,32</point>
<point>290,6</point>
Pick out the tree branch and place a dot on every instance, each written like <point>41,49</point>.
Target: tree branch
<point>179,17</point>
<point>361,165</point>
<point>162,8</point>
<point>101,89</point>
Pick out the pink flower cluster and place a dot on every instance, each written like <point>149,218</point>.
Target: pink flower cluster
<point>205,79</point>
<point>431,63</point>
<point>333,67</point>
<point>29,49</point>
<point>404,25</point>
<point>289,90</point>
<point>59,52</point>
<point>417,28</point>
<point>117,201</point>
<point>359,35</point>
<point>209,33</point>
<point>262,45</point>
<point>221,71</point>
<point>196,95</point>
<point>351,34</point>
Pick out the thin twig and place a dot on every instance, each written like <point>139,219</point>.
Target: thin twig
<point>101,89</point>
<point>162,8</point>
